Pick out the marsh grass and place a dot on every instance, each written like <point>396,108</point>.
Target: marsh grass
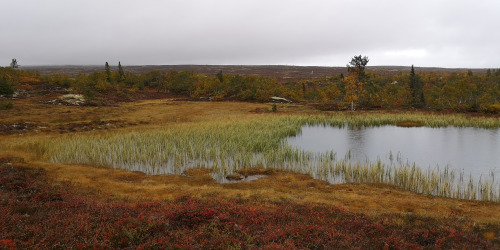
<point>409,124</point>
<point>226,146</point>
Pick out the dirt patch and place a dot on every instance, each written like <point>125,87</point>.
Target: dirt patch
<point>30,127</point>
<point>93,125</point>
<point>9,160</point>
<point>260,110</point>
<point>17,128</point>
<point>88,126</point>
<point>328,107</point>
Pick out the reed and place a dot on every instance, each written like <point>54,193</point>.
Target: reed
<point>259,142</point>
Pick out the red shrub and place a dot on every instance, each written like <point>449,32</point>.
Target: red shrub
<point>34,215</point>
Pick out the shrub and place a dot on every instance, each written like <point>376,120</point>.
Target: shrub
<point>491,109</point>
<point>6,105</point>
<point>34,214</point>
<point>5,88</point>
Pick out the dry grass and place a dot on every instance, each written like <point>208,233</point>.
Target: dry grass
<point>410,124</point>
<point>279,186</point>
<point>256,171</point>
<point>133,114</point>
<point>234,141</point>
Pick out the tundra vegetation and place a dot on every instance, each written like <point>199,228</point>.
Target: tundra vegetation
<point>227,146</point>
<point>38,215</point>
<point>458,91</point>
<point>66,166</point>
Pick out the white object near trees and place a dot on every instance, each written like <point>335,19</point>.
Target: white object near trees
<point>14,64</point>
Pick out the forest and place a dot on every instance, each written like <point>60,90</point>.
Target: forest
<point>457,92</point>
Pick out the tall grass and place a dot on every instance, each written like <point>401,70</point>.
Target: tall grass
<point>258,141</point>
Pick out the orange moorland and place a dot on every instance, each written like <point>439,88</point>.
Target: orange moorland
<point>31,118</point>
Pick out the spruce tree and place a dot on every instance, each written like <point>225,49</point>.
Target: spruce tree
<point>107,69</point>
<point>416,88</point>
<point>220,76</point>
<point>413,81</point>
<point>121,73</point>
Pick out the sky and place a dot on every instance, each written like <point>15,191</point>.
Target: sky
<point>424,33</point>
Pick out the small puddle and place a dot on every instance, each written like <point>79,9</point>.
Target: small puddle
<point>236,178</point>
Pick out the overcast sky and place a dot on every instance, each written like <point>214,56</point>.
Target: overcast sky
<point>440,33</point>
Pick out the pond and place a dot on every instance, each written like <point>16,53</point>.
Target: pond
<point>473,150</point>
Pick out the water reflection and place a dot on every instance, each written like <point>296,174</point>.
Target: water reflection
<point>473,150</point>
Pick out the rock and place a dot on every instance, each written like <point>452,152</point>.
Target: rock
<point>73,99</point>
<point>68,99</point>
<point>280,99</point>
<point>20,93</point>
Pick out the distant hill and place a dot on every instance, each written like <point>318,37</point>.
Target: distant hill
<point>282,72</point>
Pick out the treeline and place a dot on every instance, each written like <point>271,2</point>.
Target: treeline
<point>456,91</point>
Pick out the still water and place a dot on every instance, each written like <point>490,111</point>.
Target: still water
<point>473,150</point>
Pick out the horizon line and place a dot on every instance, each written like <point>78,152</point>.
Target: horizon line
<point>251,65</point>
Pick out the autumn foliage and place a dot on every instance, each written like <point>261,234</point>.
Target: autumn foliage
<point>458,91</point>
<point>34,214</point>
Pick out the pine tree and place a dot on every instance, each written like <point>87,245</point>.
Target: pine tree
<point>355,82</point>
<point>357,67</point>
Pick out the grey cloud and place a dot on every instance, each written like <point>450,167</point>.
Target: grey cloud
<point>443,33</point>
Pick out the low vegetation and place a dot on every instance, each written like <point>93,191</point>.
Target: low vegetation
<point>227,146</point>
<point>37,215</point>
<point>457,92</point>
<point>6,105</point>
<point>83,185</point>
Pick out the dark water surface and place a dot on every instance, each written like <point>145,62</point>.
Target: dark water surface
<point>474,150</point>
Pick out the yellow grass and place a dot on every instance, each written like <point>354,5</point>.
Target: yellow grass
<point>233,142</point>
<point>281,185</point>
